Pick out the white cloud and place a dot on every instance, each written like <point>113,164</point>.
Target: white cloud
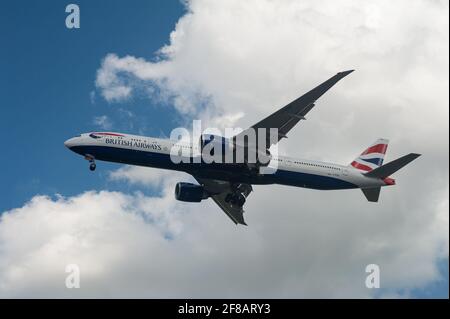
<point>268,54</point>
<point>151,177</point>
<point>117,93</point>
<point>140,246</point>
<point>233,57</point>
<point>103,121</point>
<point>112,86</point>
<point>90,230</point>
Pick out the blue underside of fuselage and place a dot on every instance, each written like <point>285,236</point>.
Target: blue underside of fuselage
<point>216,171</point>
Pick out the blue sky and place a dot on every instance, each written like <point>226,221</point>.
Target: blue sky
<point>48,95</point>
<point>47,83</point>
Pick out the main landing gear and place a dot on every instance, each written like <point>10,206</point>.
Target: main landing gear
<point>235,199</point>
<point>238,194</point>
<point>92,165</point>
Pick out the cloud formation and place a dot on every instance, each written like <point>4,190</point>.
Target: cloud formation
<point>240,61</point>
<point>103,121</point>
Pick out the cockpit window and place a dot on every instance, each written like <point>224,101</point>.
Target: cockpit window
<point>94,136</point>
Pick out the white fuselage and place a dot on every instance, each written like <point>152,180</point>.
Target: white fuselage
<point>154,152</point>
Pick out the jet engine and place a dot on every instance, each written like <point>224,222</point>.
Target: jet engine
<point>188,192</point>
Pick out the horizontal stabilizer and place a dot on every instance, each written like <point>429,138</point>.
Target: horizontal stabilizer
<point>372,194</point>
<point>391,167</point>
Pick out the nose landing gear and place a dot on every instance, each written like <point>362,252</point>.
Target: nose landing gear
<point>91,159</point>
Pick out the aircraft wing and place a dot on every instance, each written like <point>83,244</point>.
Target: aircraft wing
<point>220,190</point>
<point>287,117</point>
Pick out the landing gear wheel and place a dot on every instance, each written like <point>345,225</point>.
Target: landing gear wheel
<point>228,198</point>
<point>91,160</point>
<point>235,199</point>
<point>240,200</point>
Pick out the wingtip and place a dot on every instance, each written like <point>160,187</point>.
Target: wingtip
<point>344,73</point>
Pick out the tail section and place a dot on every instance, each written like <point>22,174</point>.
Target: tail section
<point>383,172</point>
<point>372,157</point>
<point>370,163</point>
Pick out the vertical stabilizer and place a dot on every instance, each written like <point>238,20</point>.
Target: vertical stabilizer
<point>372,157</point>
<point>372,194</point>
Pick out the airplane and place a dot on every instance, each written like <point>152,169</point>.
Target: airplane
<point>230,184</point>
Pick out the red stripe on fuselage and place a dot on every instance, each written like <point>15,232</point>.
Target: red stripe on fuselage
<point>106,133</point>
<point>361,166</point>
<point>379,148</point>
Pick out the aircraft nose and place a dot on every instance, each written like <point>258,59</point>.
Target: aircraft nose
<point>70,142</point>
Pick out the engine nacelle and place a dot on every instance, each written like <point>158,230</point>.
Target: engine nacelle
<point>188,192</point>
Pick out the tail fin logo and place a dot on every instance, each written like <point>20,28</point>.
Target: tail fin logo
<point>372,157</point>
